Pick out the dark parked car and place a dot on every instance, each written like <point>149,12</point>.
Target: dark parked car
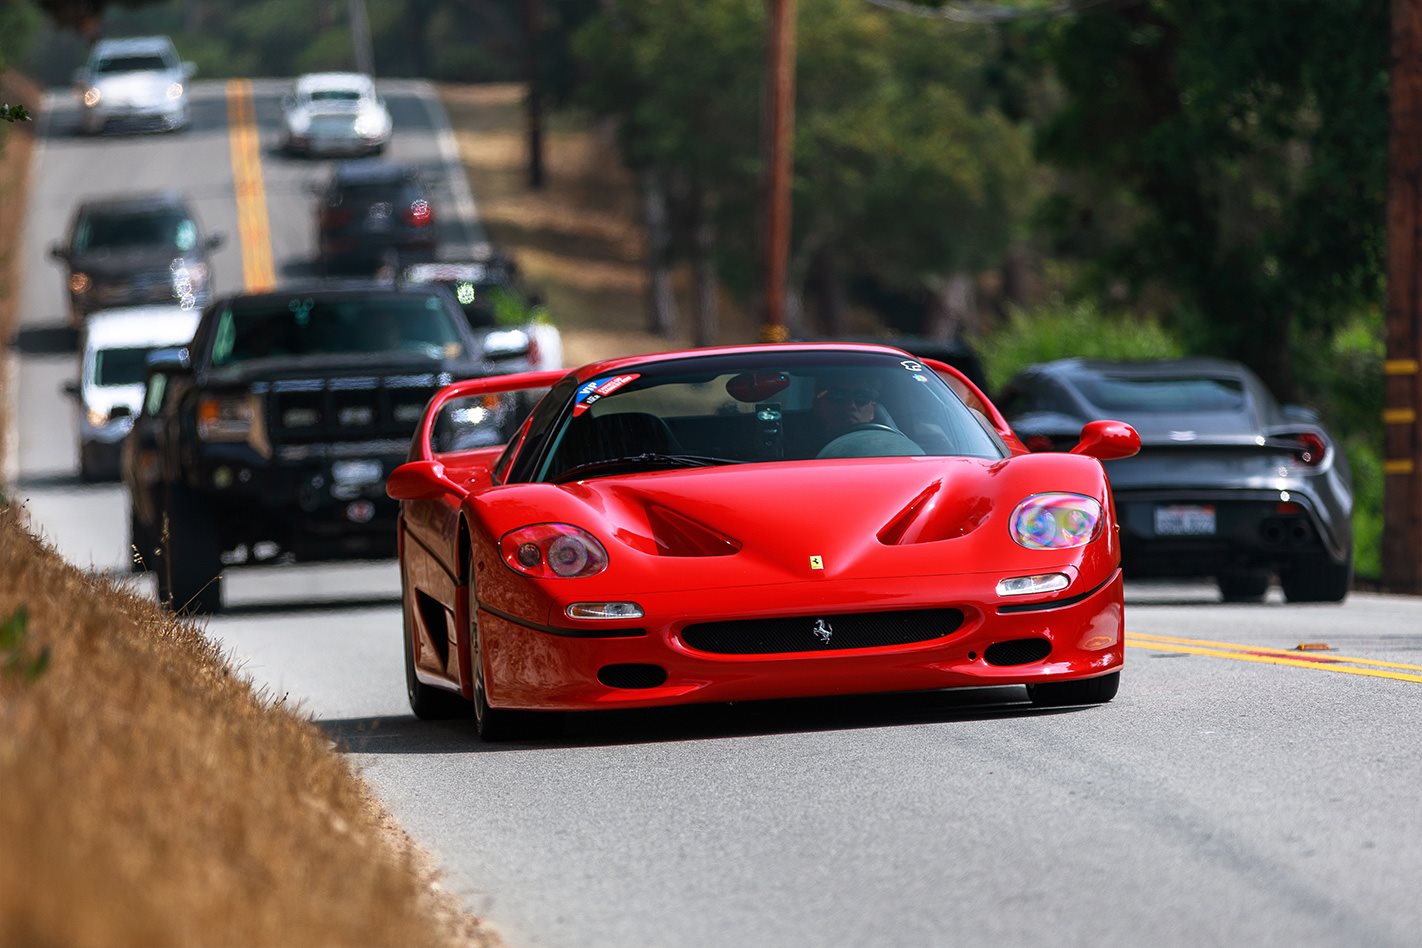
<point>143,248</point>
<point>499,309</point>
<point>273,432</point>
<point>1228,482</point>
<point>373,214</point>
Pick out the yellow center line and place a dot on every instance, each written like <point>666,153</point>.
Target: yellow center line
<point>1271,656</point>
<point>253,227</point>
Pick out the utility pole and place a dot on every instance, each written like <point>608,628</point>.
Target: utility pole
<point>780,136</point>
<point>1402,454</point>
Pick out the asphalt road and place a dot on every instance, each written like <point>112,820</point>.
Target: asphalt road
<point>1238,791</point>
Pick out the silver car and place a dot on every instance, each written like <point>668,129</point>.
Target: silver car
<point>138,82</point>
<point>329,114</point>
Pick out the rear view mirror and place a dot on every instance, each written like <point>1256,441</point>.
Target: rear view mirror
<point>214,241</point>
<point>1108,441</point>
<point>420,480</point>
<point>757,386</point>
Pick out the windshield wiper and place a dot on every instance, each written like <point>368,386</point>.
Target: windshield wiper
<point>650,460</point>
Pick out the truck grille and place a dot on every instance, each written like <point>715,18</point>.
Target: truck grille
<point>304,416</point>
<point>826,633</point>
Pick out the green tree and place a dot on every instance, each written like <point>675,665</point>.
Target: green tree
<point>1232,156</point>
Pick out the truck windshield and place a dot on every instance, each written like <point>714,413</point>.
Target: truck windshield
<point>273,327</point>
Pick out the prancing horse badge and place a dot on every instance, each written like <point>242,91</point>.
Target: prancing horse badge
<point>817,563</point>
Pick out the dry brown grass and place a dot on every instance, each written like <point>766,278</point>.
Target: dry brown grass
<point>14,178</point>
<point>578,240</point>
<point>150,798</point>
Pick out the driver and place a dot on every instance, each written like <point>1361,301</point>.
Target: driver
<point>844,401</point>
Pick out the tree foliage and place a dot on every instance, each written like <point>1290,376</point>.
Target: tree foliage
<point>1235,155</point>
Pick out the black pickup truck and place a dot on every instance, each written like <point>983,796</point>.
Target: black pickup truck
<point>271,435</point>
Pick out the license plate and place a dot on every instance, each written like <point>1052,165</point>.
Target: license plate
<point>1185,520</point>
<point>356,472</point>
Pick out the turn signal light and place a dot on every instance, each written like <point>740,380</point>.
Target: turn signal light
<point>1029,585</point>
<point>604,610</point>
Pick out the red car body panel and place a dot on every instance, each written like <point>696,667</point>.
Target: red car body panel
<point>720,544</point>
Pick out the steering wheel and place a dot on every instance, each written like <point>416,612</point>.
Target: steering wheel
<point>872,439</point>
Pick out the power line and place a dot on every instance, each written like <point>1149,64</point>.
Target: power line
<point>996,12</point>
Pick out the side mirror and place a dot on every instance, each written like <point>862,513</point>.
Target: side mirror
<point>1108,440</point>
<point>1300,413</point>
<point>420,480</point>
<point>80,78</point>
<point>189,70</point>
<point>169,361</point>
<point>288,102</point>
<point>316,189</point>
<point>59,251</point>
<point>213,241</point>
<point>70,388</point>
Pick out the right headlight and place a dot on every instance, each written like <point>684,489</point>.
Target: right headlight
<point>92,95</point>
<point>1056,521</point>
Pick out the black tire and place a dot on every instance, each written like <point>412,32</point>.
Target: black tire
<point>1317,579</point>
<point>496,724</point>
<point>427,702</point>
<point>193,565</point>
<point>1243,585</point>
<point>1057,694</point>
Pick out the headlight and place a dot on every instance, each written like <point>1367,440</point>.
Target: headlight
<point>79,282</point>
<point>226,419</point>
<point>97,418</point>
<point>1056,521</point>
<point>368,126</point>
<point>553,551</point>
<point>175,91</point>
<point>92,96</point>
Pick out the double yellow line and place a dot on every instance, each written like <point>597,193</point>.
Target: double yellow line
<point>1274,656</point>
<point>254,231</point>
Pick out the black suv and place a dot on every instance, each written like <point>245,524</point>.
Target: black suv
<point>373,214</point>
<point>145,248</point>
<point>273,432</point>
<point>496,305</point>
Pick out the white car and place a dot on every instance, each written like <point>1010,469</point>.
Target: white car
<point>335,113</point>
<point>136,82</point>
<point>114,349</point>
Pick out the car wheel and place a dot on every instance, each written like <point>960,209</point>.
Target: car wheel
<point>1317,579</point>
<point>194,561</point>
<point>1243,585</point>
<point>1056,694</point>
<point>428,703</point>
<point>495,724</point>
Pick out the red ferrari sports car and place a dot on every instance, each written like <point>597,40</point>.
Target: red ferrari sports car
<point>745,523</point>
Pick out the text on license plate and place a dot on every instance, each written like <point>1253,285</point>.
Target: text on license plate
<point>1185,520</point>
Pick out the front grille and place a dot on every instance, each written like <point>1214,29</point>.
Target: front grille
<point>825,633</point>
<point>305,413</point>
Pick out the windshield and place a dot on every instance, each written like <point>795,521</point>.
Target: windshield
<point>120,366</point>
<point>761,406</point>
<point>1163,396</point>
<point>163,227</point>
<point>303,326</point>
<point>148,62</point>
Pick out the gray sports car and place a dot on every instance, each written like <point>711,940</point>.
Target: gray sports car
<point>1228,482</point>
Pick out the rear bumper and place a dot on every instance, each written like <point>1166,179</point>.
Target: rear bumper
<point>533,668</point>
<point>1251,532</point>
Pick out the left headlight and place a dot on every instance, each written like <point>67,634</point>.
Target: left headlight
<point>1056,521</point>
<point>553,551</point>
<point>97,418</point>
<point>175,91</point>
<point>92,95</point>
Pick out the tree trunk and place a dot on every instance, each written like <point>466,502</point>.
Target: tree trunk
<point>707,317</point>
<point>661,301</point>
<point>954,307</point>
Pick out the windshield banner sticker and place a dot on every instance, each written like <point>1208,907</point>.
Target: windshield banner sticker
<point>597,388</point>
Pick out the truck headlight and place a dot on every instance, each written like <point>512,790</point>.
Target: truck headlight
<point>92,96</point>
<point>226,418</point>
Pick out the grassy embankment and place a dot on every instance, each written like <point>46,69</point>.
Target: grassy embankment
<point>148,796</point>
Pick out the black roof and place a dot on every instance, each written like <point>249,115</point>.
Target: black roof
<point>152,200</point>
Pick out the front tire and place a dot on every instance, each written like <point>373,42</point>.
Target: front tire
<point>1056,694</point>
<point>194,560</point>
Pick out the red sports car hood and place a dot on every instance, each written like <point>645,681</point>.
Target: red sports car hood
<point>804,521</point>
